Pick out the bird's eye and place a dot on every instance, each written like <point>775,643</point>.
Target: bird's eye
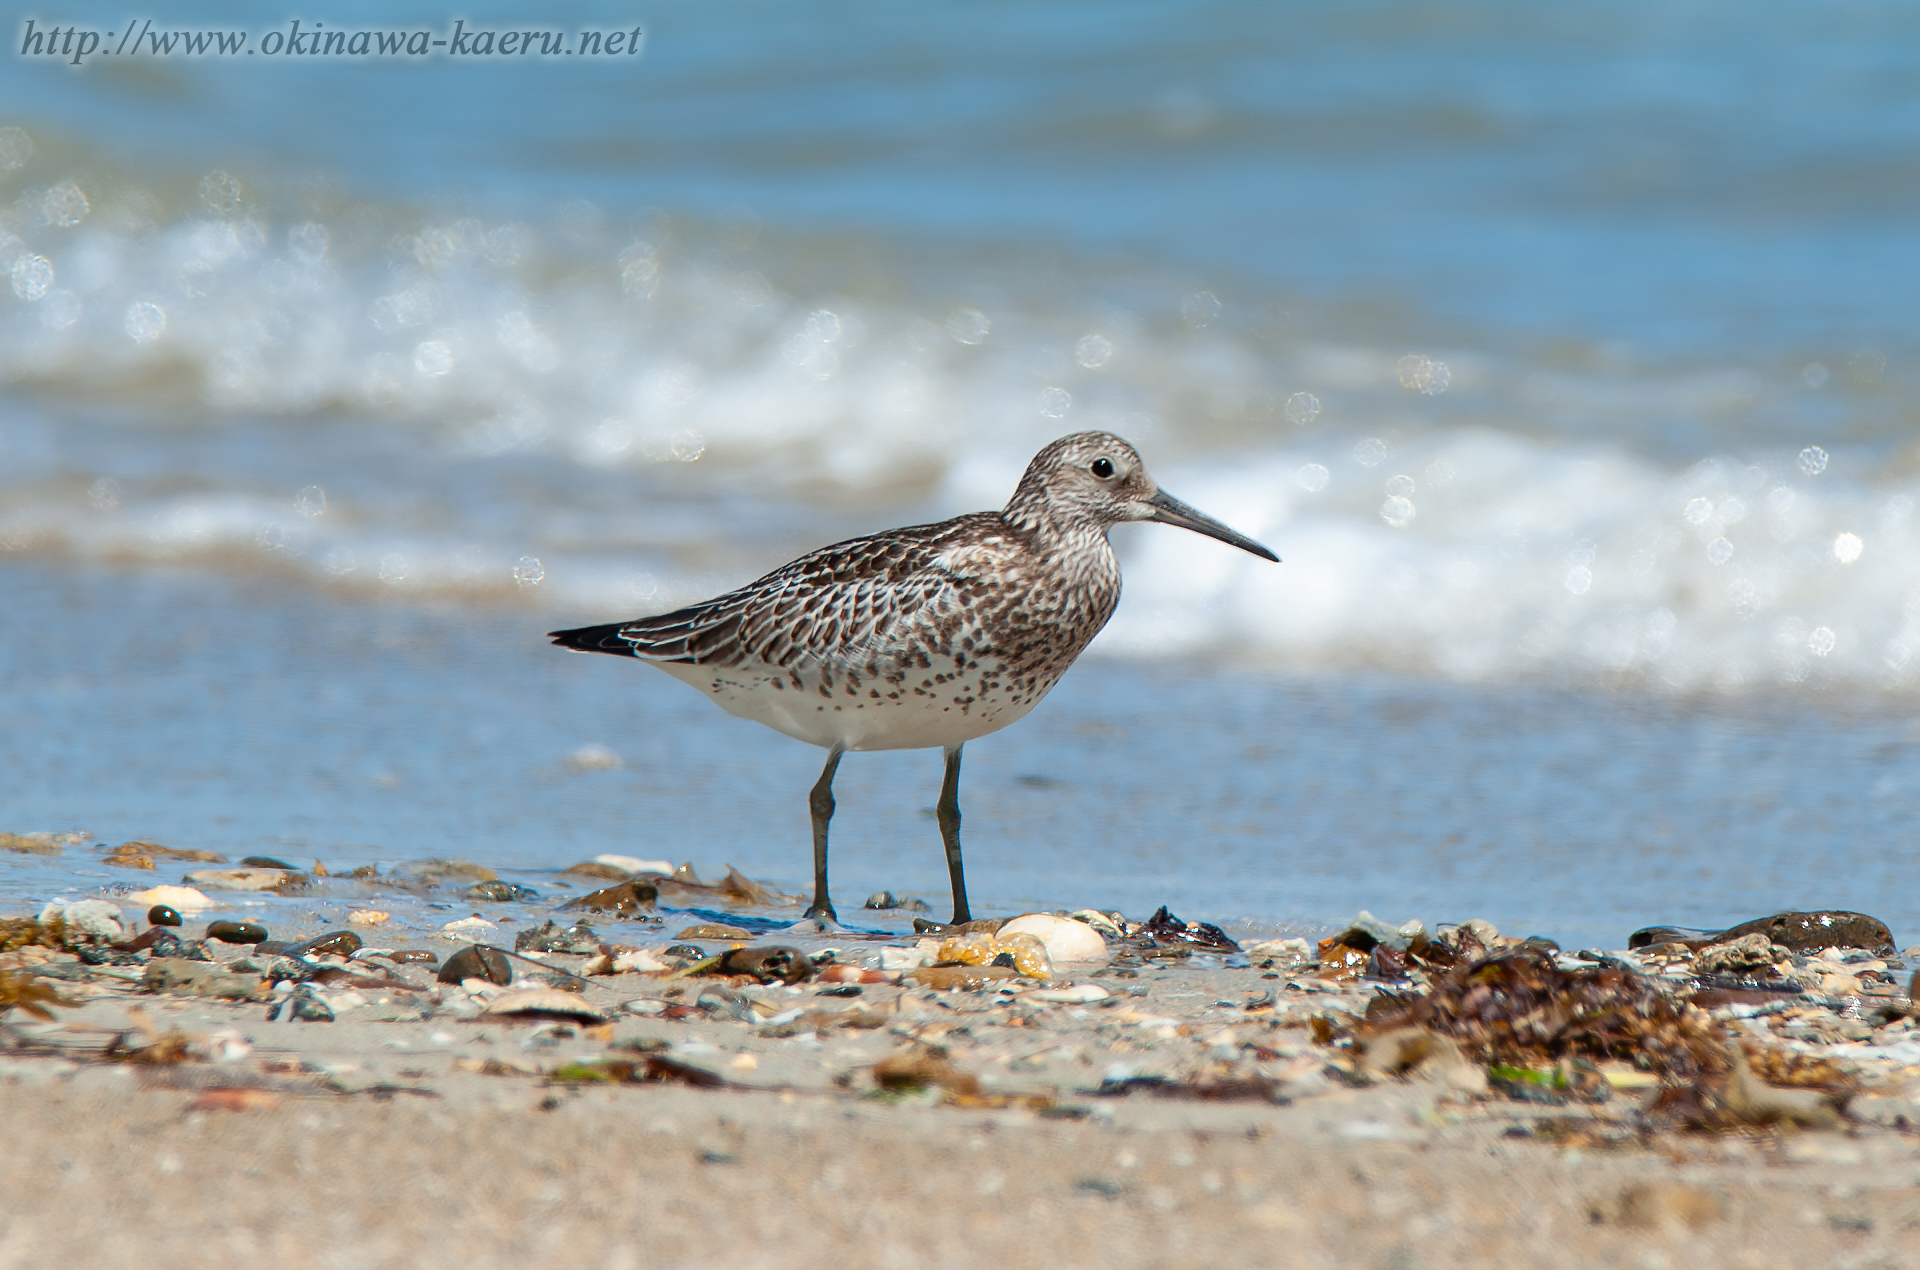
<point>1102,468</point>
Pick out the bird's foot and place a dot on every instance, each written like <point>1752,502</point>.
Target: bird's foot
<point>811,925</point>
<point>823,911</point>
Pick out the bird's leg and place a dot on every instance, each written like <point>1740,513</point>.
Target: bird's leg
<point>820,803</point>
<point>947,811</point>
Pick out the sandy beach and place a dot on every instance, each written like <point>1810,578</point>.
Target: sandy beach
<point>1157,1111</point>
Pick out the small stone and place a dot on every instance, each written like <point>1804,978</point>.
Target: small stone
<point>339,943</point>
<point>96,918</point>
<point>960,978</point>
<point>199,979</point>
<point>367,917</point>
<point>548,937</point>
<point>501,892</point>
<point>627,899</point>
<point>882,900</point>
<point>714,930</point>
<point>446,870</point>
<point>467,928</point>
<point>598,870</point>
<point>634,864</point>
<point>307,1008</point>
<point>184,898</point>
<point>725,1003</point>
<point>773,963</point>
<point>267,862</point>
<point>542,1003</point>
<point>1810,932</point>
<point>1749,952</point>
<point>1079,994</point>
<point>161,915</point>
<point>476,961</point>
<point>241,879</point>
<point>237,932</point>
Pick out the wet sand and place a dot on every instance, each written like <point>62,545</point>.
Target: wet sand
<point>403,1134</point>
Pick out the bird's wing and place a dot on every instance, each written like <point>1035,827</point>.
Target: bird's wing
<point>840,606</point>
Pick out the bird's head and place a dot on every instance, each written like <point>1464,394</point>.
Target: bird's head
<point>1097,478</point>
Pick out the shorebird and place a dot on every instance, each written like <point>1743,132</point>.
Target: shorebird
<point>922,637</point>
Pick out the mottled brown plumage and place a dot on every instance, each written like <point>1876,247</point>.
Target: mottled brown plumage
<point>919,637</point>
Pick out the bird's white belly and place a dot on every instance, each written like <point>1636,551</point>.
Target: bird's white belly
<point>936,706</point>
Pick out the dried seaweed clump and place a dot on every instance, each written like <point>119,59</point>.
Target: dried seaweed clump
<point>24,932</point>
<point>23,991</point>
<point>1520,1008</point>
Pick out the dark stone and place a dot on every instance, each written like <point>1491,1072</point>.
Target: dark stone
<point>1810,932</point>
<point>685,952</point>
<point>364,872</point>
<point>548,937</point>
<point>883,900</point>
<point>627,899</point>
<point>237,932</point>
<point>840,990</point>
<point>774,963</point>
<point>266,862</point>
<point>501,892</point>
<point>339,943</point>
<point>1797,932</point>
<point>161,915</point>
<point>476,961</point>
<point>407,956</point>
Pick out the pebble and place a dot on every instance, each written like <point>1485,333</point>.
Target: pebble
<point>198,979</point>
<point>476,961</point>
<point>633,864</point>
<point>597,870</point>
<point>367,917</point>
<point>307,1008</point>
<point>550,938</point>
<point>714,930</point>
<point>237,932</point>
<point>1065,939</point>
<point>184,898</point>
<point>884,900</point>
<point>1079,994</point>
<point>769,963</point>
<point>161,915</point>
<point>542,1003</point>
<point>501,892</point>
<point>97,918</point>
<point>446,870</point>
<point>466,928</point>
<point>267,862</point>
<point>241,879</point>
<point>339,943</point>
<point>627,899</point>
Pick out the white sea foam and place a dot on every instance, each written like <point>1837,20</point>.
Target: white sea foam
<point>648,419</point>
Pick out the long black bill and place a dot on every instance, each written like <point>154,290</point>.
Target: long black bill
<point>1169,510</point>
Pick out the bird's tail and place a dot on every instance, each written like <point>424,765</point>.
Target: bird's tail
<point>595,639</point>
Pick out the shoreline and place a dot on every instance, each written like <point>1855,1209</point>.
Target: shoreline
<point>1161,1106</point>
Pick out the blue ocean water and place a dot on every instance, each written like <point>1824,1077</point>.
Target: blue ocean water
<point>1564,353</point>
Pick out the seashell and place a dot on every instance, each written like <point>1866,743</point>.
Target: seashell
<point>1066,940</point>
<point>542,1003</point>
